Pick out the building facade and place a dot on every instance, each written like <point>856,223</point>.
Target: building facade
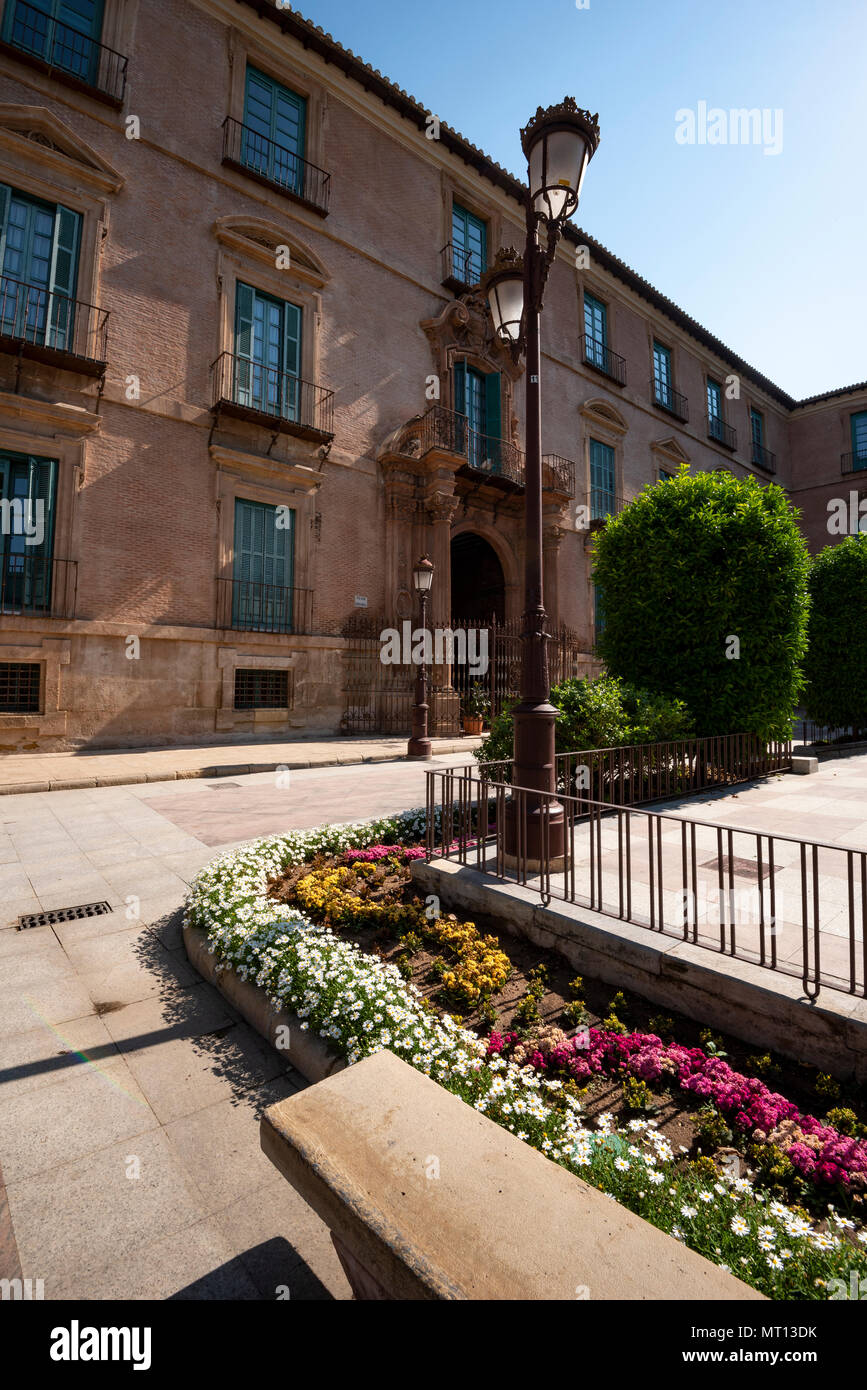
<point>246,380</point>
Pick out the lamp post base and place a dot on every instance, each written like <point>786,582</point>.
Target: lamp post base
<point>420,749</point>
<point>535,836</point>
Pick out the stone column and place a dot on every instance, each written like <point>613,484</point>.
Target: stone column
<point>440,508</point>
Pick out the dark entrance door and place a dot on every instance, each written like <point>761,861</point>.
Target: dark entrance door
<point>478,585</point>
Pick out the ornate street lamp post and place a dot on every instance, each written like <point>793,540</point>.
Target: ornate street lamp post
<point>419,745</point>
<point>559,143</point>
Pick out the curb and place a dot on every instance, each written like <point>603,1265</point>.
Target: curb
<point>307,1052</point>
<point>124,779</point>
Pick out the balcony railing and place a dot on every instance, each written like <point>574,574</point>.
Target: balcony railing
<point>35,322</point>
<point>247,605</point>
<point>37,585</point>
<point>723,434</point>
<point>668,399</point>
<point>461,268</point>
<point>276,399</point>
<point>602,359</point>
<point>484,454</point>
<point>853,462</point>
<point>763,458</point>
<point>64,52</point>
<point>599,504</point>
<point>558,474</point>
<point>254,154</point>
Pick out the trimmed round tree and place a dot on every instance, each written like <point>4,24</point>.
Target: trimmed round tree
<point>704,584</point>
<point>836,665</point>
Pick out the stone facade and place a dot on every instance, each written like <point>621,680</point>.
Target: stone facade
<point>146,624</point>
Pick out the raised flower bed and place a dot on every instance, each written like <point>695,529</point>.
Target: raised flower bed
<point>358,1002</point>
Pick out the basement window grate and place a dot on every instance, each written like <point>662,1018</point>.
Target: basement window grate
<point>62,914</point>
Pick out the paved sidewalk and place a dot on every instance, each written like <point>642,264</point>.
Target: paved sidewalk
<point>42,772</point>
<point>130,1091</point>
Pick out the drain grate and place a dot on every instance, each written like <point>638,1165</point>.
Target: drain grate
<point>62,914</point>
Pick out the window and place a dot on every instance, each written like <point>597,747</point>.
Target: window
<point>469,246</point>
<point>595,331</point>
<point>478,399</point>
<point>65,33</point>
<point>39,261</point>
<point>598,611</point>
<point>274,131</point>
<point>665,477</point>
<point>662,375</point>
<point>714,409</point>
<point>757,428</point>
<point>19,687</point>
<point>268,352</point>
<point>859,439</point>
<point>263,567</point>
<point>261,689</point>
<point>27,493</point>
<point>601,480</point>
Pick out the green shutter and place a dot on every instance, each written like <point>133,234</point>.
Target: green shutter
<point>263,568</point>
<point>493,420</point>
<point>291,360</point>
<point>5,195</point>
<point>64,275</point>
<point>242,371</point>
<point>859,439</point>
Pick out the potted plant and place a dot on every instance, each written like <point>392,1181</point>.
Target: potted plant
<point>475,708</point>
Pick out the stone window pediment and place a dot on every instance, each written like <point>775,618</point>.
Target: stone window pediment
<point>260,239</point>
<point>35,137</point>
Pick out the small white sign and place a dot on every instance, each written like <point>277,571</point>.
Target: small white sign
<point>361,600</point>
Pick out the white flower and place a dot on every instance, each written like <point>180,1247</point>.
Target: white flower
<point>740,1226</point>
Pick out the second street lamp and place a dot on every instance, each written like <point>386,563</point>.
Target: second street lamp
<point>419,745</point>
<point>559,143</point>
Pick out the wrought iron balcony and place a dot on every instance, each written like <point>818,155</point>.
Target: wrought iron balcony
<point>247,605</point>
<point>263,159</point>
<point>602,359</point>
<point>600,503</point>
<point>853,462</point>
<point>461,268</point>
<point>558,474</point>
<point>483,454</point>
<point>64,52</point>
<point>763,458</point>
<point>668,399</point>
<point>37,585</point>
<point>34,322</point>
<point>271,398</point>
<point>723,434</point>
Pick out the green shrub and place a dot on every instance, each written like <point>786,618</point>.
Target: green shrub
<point>835,668</point>
<point>662,1026</point>
<point>845,1120</point>
<point>827,1086</point>
<point>637,1095</point>
<point>690,564</point>
<point>600,713</point>
<point>763,1066</point>
<point>576,1012</point>
<point>711,1127</point>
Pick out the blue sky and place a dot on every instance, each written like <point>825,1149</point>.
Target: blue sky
<point>768,251</point>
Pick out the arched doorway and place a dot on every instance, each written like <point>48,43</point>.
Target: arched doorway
<point>478,583</point>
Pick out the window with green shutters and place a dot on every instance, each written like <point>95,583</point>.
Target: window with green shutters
<point>757,427</point>
<point>469,245</point>
<point>598,611</point>
<point>263,567</point>
<point>478,400</point>
<point>275,121</point>
<point>662,375</point>
<point>65,33</point>
<point>859,439</point>
<point>595,330</point>
<point>714,409</point>
<point>28,487</point>
<point>602,475</point>
<point>39,244</point>
<point>267,352</point>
